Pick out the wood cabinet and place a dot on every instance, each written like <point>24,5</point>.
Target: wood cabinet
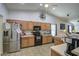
<point>24,25</point>
<point>24,42</point>
<point>27,41</point>
<point>45,26</point>
<point>46,39</point>
<point>30,25</point>
<point>31,41</point>
<point>57,41</point>
<point>27,25</point>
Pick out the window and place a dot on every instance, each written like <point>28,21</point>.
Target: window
<point>53,29</point>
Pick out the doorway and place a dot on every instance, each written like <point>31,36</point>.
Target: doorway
<point>1,34</point>
<point>54,29</point>
<point>70,28</point>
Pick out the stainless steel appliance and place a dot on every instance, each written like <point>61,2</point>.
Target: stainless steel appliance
<point>38,37</point>
<point>11,38</point>
<point>6,37</point>
<point>15,39</point>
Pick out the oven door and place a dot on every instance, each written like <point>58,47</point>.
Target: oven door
<point>38,40</point>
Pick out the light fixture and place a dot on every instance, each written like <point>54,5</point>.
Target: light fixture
<point>41,4</point>
<point>53,8</point>
<point>46,5</point>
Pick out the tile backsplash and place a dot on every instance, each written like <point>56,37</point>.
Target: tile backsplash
<point>42,32</point>
<point>45,32</point>
<point>28,32</point>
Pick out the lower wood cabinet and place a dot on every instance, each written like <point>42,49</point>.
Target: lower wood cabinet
<point>46,39</point>
<point>27,41</point>
<point>31,41</point>
<point>57,41</point>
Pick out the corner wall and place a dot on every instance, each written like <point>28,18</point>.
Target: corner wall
<point>3,11</point>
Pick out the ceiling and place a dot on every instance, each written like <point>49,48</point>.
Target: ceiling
<point>61,9</point>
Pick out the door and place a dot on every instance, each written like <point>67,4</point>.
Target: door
<point>53,29</point>
<point>69,28</point>
<point>24,42</point>
<point>31,41</point>
<point>1,34</point>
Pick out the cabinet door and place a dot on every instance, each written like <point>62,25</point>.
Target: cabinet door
<point>24,25</point>
<point>43,26</point>
<point>49,39</point>
<point>30,25</point>
<point>48,27</point>
<point>31,41</point>
<point>24,42</point>
<point>58,41</point>
<point>45,40</point>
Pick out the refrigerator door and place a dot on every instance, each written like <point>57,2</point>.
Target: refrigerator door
<point>15,41</point>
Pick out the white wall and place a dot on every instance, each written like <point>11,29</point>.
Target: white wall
<point>1,35</point>
<point>3,16</point>
<point>30,16</point>
<point>59,21</point>
<point>3,11</point>
<point>34,16</point>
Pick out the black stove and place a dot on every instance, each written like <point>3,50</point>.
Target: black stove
<point>38,36</point>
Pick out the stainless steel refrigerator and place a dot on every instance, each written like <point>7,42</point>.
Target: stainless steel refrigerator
<point>13,40</point>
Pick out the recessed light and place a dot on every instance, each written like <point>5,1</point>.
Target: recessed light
<point>41,4</point>
<point>46,5</point>
<point>53,8</point>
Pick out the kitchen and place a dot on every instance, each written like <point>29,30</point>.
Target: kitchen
<point>31,27</point>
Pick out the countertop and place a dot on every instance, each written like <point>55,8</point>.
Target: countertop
<point>33,35</point>
<point>60,49</point>
<point>27,36</point>
<point>76,51</point>
<point>46,35</point>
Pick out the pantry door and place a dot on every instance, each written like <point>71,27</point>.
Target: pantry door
<point>1,34</point>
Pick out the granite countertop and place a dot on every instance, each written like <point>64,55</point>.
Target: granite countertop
<point>46,35</point>
<point>60,49</point>
<point>76,51</point>
<point>27,35</point>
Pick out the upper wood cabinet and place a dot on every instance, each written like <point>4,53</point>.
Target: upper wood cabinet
<point>27,25</point>
<point>45,26</point>
<point>30,25</point>
<point>24,25</point>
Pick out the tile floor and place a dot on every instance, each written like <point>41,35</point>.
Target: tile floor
<point>42,50</point>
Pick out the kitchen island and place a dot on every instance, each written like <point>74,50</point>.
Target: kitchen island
<point>75,51</point>
<point>59,50</point>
